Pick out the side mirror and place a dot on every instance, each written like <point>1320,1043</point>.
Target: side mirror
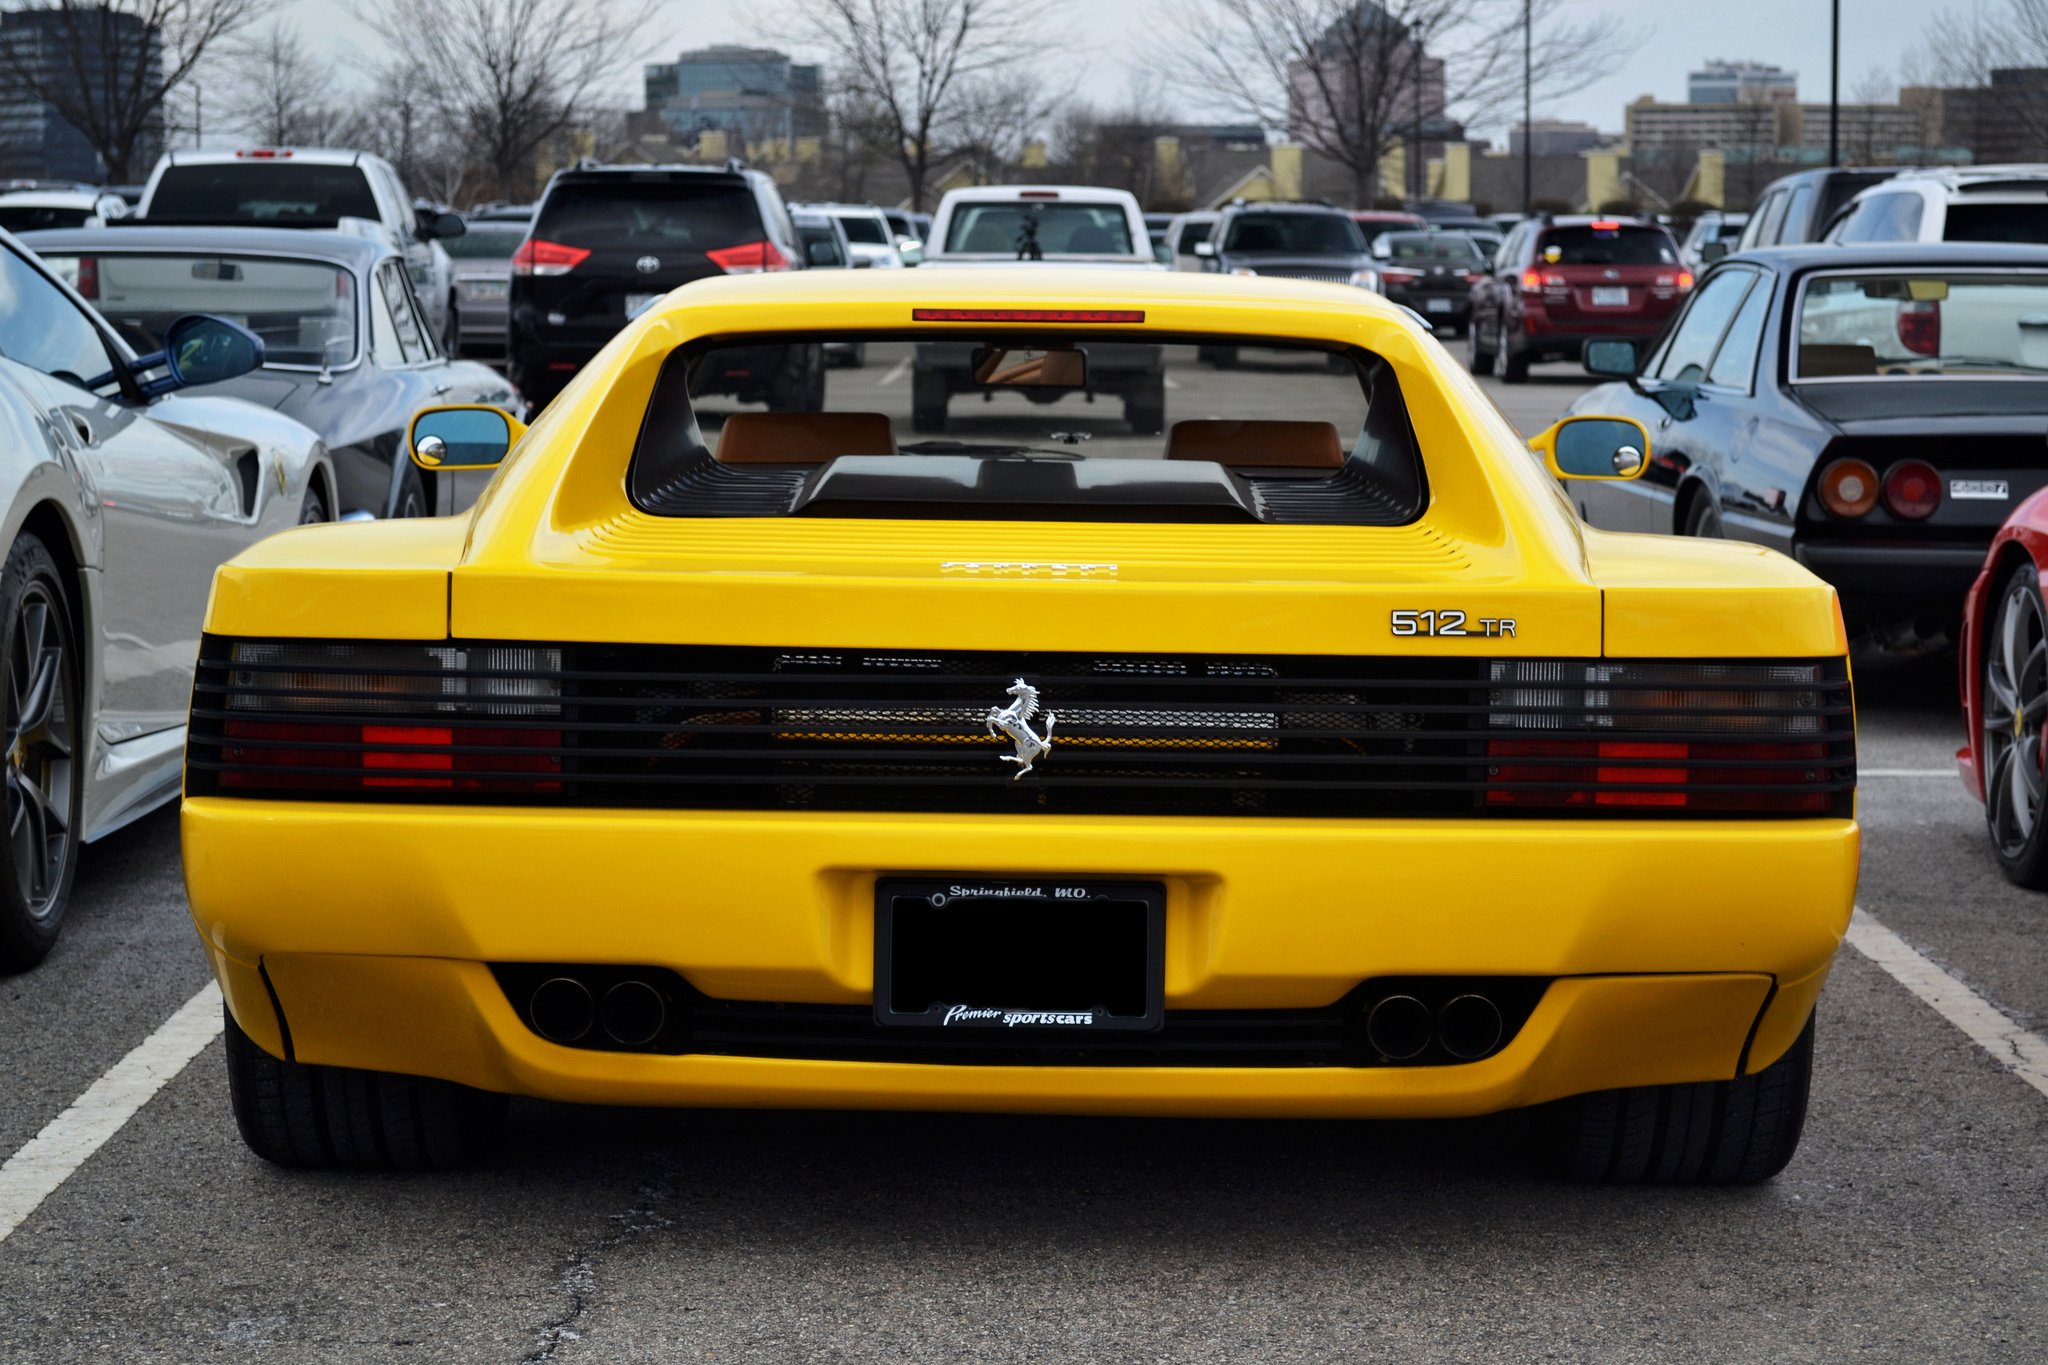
<point>1611,359</point>
<point>821,254</point>
<point>198,349</point>
<point>1713,251</point>
<point>1594,448</point>
<point>466,437</point>
<point>1206,250</point>
<point>441,225</point>
<point>911,250</point>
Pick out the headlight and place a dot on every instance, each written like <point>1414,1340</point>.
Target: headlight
<point>1366,279</point>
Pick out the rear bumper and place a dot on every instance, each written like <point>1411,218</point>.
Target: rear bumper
<point>1893,580</point>
<point>1684,948</point>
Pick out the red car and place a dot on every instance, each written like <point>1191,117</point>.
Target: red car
<point>1558,283</point>
<point>2004,659</point>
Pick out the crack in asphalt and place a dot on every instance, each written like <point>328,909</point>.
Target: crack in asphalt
<point>578,1280</point>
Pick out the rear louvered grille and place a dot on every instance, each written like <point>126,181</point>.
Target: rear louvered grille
<point>887,730</point>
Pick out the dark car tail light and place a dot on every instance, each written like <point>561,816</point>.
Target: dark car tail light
<point>1848,488</point>
<point>1920,326</point>
<point>1912,490</point>
<point>749,258</point>
<point>1394,274</point>
<point>1474,276</point>
<point>537,256</point>
<point>1670,285</point>
<point>88,281</point>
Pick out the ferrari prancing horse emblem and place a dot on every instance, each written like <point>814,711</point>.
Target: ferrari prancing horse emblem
<point>1014,721</point>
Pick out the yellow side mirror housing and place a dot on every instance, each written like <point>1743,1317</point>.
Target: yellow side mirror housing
<point>462,436</point>
<point>1594,448</point>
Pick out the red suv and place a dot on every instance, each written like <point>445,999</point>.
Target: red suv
<point>1558,283</point>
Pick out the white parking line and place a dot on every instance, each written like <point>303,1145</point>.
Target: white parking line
<point>47,1160</point>
<point>896,372</point>
<point>2018,1050</point>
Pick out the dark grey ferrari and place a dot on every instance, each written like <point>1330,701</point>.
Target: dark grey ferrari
<point>347,347</point>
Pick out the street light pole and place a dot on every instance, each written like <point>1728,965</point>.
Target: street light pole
<point>1528,100</point>
<point>1835,84</point>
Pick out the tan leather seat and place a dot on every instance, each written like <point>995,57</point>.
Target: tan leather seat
<point>802,437</point>
<point>1834,362</point>
<point>1257,445</point>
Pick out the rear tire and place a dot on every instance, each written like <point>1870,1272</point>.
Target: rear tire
<point>1703,518</point>
<point>412,494</point>
<point>1739,1132</point>
<point>338,1118</point>
<point>39,682</point>
<point>1479,358</point>
<point>1514,364</point>
<point>1222,357</point>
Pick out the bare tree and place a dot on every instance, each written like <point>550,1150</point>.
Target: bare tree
<point>999,115</point>
<point>285,94</point>
<point>1961,51</point>
<point>1118,146</point>
<point>1353,79</point>
<point>505,77</point>
<point>913,62</point>
<point>106,66</point>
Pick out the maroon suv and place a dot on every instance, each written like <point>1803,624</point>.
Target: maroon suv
<point>1558,283</point>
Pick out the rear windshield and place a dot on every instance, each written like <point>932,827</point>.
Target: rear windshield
<point>1427,246</point>
<point>1311,233</point>
<point>1997,222</point>
<point>1063,229</point>
<point>30,218</point>
<point>1927,325</point>
<point>811,235</point>
<point>863,229</point>
<point>305,311</point>
<point>1034,427</point>
<point>628,215</point>
<point>486,242</point>
<point>1606,246</point>
<point>284,192</point>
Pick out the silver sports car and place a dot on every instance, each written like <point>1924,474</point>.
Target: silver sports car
<point>121,496</point>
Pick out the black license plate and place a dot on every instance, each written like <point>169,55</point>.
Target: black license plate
<point>971,952</point>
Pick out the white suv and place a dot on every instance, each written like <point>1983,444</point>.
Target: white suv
<point>1960,204</point>
<point>868,234</point>
<point>1069,224</point>
<point>312,187</point>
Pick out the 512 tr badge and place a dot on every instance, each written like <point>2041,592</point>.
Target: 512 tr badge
<point>1450,623</point>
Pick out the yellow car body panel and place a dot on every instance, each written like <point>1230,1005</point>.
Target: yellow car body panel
<point>1681,950</point>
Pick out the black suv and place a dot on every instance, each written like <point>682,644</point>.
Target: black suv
<point>1298,241</point>
<point>607,241</point>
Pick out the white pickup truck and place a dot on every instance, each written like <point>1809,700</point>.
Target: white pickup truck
<point>1020,226</point>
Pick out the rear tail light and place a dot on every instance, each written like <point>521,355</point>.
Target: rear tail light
<point>1728,738</point>
<point>1394,274</point>
<point>749,258</point>
<point>1532,281</point>
<point>1912,490</point>
<point>1920,326</point>
<point>88,281</point>
<point>536,256</point>
<point>1848,488</point>
<point>1684,280</point>
<point>1473,276</point>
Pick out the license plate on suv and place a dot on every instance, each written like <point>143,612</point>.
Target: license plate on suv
<point>1610,296</point>
<point>1005,953</point>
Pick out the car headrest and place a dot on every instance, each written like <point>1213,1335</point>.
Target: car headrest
<point>1826,362</point>
<point>802,437</point>
<point>1276,445</point>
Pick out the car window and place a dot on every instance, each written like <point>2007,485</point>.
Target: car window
<point>1764,222</point>
<point>392,293</point>
<point>810,235</point>
<point>2027,222</point>
<point>263,192</point>
<point>486,242</point>
<point>1319,233</point>
<point>1428,246</point>
<point>1920,326</point>
<point>1191,234</point>
<point>1610,245</point>
<point>1698,333</point>
<point>305,310</point>
<point>1069,229</point>
<point>1798,210</point>
<point>1883,218</point>
<point>684,213</point>
<point>44,330</point>
<point>1735,363</point>
<point>863,228</point>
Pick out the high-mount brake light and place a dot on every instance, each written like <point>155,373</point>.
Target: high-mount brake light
<point>1038,194</point>
<point>1027,315</point>
<point>749,258</point>
<point>1912,490</point>
<point>1848,488</point>
<point>536,256</point>
<point>1604,225</point>
<point>265,153</point>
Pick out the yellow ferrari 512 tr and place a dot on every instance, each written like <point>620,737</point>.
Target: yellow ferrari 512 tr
<point>1295,751</point>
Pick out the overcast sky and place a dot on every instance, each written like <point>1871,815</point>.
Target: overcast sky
<point>1678,35</point>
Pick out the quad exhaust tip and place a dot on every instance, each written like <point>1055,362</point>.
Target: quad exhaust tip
<point>633,1013</point>
<point>1469,1027</point>
<point>1401,1027</point>
<point>1398,1027</point>
<point>564,1009</point>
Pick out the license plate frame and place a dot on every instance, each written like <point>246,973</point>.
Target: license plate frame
<point>489,291</point>
<point>1017,925</point>
<point>636,304</point>
<point>1610,296</point>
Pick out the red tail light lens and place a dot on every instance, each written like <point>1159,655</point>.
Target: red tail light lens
<point>1027,315</point>
<point>303,756</point>
<point>88,282</point>
<point>1532,281</point>
<point>1848,488</point>
<point>1395,274</point>
<point>1684,280</point>
<point>1709,775</point>
<point>540,257</point>
<point>1912,490</point>
<point>1920,326</point>
<point>1474,276</point>
<point>749,258</point>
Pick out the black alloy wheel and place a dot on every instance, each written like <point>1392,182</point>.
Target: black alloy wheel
<point>42,773</point>
<point>1703,518</point>
<point>412,492</point>
<point>2013,744</point>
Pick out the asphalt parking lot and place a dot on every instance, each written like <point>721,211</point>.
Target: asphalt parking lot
<point>1912,1225</point>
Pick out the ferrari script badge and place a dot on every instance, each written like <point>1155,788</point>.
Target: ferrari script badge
<point>1014,721</point>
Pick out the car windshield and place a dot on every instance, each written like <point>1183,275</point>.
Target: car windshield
<point>1042,426</point>
<point>486,242</point>
<point>33,217</point>
<point>1609,245</point>
<point>2024,222</point>
<point>1324,234</point>
<point>305,311</point>
<point>285,192</point>
<point>1427,246</point>
<point>1923,325</point>
<point>864,228</point>
<point>1063,229</point>
<point>686,213</point>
